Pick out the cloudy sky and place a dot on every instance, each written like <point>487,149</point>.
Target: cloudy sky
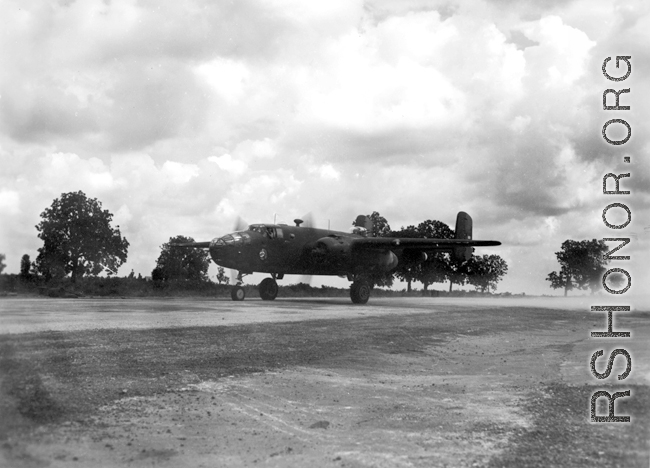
<point>180,116</point>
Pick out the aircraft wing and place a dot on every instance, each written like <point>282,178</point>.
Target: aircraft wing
<point>422,244</point>
<point>198,245</point>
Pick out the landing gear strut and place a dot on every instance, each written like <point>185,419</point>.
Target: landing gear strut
<point>360,291</point>
<point>237,293</point>
<point>268,289</point>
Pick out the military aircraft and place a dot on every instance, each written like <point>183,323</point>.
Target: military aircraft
<point>280,249</point>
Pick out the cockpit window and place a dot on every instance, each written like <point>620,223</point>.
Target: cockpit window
<point>236,238</point>
<point>272,232</point>
<point>257,228</point>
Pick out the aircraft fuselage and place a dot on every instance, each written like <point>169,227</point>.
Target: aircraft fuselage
<point>282,249</point>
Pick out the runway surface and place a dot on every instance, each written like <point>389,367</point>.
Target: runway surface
<point>400,382</point>
<point>32,314</point>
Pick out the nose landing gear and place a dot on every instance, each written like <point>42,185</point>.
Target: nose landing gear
<point>237,292</point>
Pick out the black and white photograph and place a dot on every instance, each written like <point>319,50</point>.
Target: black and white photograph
<point>360,233</point>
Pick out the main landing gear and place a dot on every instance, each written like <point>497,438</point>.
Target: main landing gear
<point>268,289</point>
<point>360,291</point>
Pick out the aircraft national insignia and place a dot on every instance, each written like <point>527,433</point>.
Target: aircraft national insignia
<point>298,250</point>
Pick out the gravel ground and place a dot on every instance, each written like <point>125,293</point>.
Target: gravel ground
<point>398,383</point>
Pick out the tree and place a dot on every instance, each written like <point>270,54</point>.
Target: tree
<point>25,265</point>
<point>2,262</point>
<point>486,271</point>
<point>407,268</point>
<point>181,263</point>
<point>380,228</point>
<point>78,238</point>
<point>457,272</point>
<point>582,264</point>
<point>222,278</point>
<point>436,267</point>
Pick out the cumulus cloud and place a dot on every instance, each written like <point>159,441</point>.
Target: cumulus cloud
<point>181,117</point>
<point>228,164</point>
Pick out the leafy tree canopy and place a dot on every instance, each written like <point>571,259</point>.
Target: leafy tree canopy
<point>78,238</point>
<point>437,266</point>
<point>222,278</point>
<point>25,265</point>
<point>380,227</point>
<point>582,264</point>
<point>180,263</point>
<point>2,262</point>
<point>484,272</point>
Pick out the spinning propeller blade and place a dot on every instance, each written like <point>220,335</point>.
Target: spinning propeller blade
<point>308,220</point>
<point>240,224</point>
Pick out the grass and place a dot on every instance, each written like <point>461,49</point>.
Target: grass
<point>563,436</point>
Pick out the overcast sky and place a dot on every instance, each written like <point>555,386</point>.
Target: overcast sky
<point>180,116</point>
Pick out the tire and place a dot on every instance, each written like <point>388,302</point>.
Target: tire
<point>268,289</point>
<point>237,293</point>
<point>360,292</point>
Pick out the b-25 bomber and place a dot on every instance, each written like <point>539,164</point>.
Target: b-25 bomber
<point>280,249</point>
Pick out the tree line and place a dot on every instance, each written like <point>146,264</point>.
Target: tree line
<point>78,239</point>
<point>483,272</point>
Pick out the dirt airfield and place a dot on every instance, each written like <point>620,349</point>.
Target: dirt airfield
<point>409,382</point>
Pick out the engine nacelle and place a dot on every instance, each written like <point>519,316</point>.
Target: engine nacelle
<point>387,261</point>
<point>335,247</point>
<point>414,256</point>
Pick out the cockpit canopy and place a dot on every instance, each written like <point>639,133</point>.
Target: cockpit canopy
<point>270,231</point>
<point>236,238</point>
<point>261,228</point>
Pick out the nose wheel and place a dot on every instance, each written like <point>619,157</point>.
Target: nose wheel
<point>237,293</point>
<point>268,289</point>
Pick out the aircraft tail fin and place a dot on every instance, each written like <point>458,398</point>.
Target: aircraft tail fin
<point>463,231</point>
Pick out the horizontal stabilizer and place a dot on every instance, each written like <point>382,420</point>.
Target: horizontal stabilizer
<point>460,246</point>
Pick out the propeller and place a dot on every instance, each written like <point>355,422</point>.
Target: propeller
<point>308,222</point>
<point>240,225</point>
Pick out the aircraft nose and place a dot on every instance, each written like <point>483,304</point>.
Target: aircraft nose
<point>221,248</point>
<point>216,248</point>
